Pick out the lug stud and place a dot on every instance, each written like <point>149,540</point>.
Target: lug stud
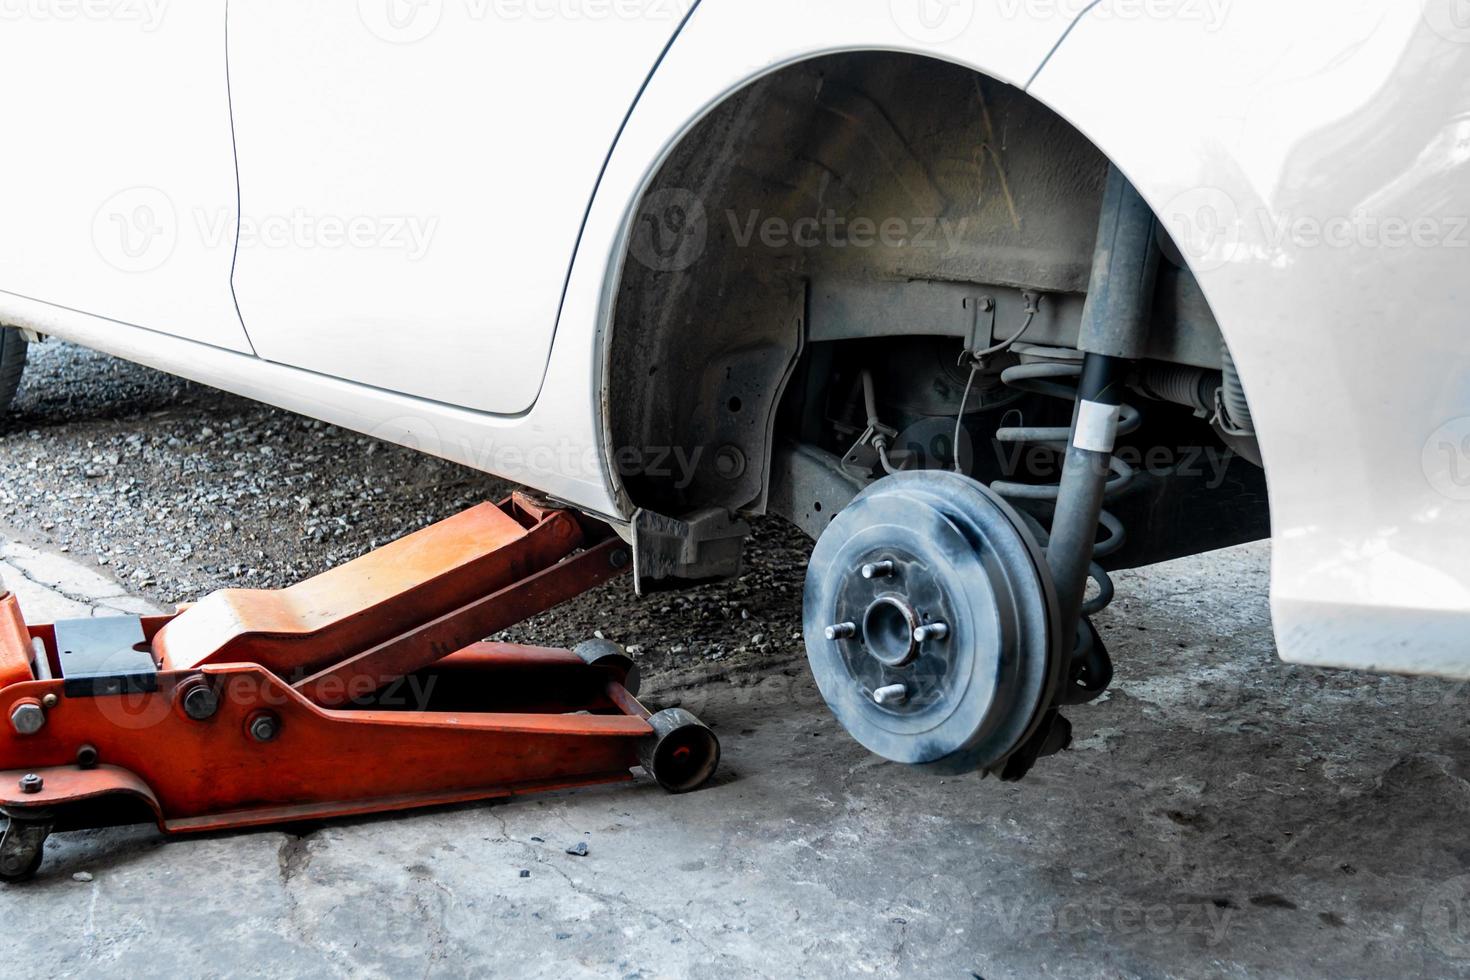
<point>878,569</point>
<point>933,631</point>
<point>892,694</point>
<point>841,631</point>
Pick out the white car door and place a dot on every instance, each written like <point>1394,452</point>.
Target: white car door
<point>414,175</point>
<point>117,184</point>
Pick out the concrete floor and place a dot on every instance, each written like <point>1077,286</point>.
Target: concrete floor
<point>1220,815</point>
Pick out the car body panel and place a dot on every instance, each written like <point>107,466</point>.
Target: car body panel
<point>117,186</point>
<point>412,187</point>
<point>1234,118</point>
<point>1319,185</point>
<point>558,444</point>
<point>548,448</point>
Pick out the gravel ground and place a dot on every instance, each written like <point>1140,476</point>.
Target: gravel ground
<point>178,490</point>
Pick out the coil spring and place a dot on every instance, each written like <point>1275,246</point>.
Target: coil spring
<point>1049,376</point>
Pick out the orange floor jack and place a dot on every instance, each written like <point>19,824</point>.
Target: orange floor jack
<point>362,690</point>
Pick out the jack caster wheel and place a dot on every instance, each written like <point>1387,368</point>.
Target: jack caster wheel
<point>606,653</point>
<point>931,623</point>
<point>22,849</point>
<point>682,753</point>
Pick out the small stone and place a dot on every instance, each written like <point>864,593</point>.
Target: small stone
<point>634,650</point>
<point>539,840</point>
<point>578,849</point>
<point>525,873</point>
<point>82,876</point>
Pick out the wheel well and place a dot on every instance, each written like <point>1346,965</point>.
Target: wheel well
<point>863,212</point>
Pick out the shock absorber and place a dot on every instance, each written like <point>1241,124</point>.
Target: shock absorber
<point>1114,334</point>
<point>1058,374</point>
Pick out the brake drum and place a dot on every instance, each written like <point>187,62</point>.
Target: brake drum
<point>931,623</point>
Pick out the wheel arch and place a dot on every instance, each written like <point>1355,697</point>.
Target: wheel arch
<point>614,391</point>
<point>682,98</point>
<point>724,47</point>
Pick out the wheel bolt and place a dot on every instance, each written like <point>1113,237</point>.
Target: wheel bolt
<point>878,569</point>
<point>892,694</point>
<point>842,631</point>
<point>933,631</point>
<point>31,783</point>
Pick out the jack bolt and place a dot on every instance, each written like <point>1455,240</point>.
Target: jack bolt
<point>27,718</point>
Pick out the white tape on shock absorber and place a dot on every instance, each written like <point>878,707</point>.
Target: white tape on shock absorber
<point>1097,427</point>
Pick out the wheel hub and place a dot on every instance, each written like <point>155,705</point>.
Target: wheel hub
<point>930,622</point>
<point>888,628</point>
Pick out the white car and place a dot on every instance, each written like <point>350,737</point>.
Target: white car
<point>988,297</point>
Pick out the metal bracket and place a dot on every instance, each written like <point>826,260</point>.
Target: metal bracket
<point>982,330</point>
<point>863,456</point>
<point>105,656</point>
<point>669,551</point>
